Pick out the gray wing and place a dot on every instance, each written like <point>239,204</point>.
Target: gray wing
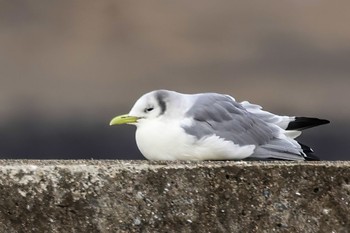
<point>216,114</point>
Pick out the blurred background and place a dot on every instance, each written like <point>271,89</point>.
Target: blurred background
<point>68,67</point>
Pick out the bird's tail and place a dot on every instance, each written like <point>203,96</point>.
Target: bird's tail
<point>291,127</point>
<point>284,122</point>
<point>301,123</point>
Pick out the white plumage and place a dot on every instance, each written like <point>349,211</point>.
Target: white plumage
<point>211,126</point>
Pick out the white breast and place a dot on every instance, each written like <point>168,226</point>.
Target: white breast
<point>166,140</point>
<point>162,140</point>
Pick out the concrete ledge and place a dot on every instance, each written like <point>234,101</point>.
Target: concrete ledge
<point>143,196</point>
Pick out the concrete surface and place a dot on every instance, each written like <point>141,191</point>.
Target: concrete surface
<point>144,196</point>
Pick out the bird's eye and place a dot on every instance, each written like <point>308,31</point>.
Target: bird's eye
<point>149,109</point>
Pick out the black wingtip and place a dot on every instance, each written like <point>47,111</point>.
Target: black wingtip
<point>309,153</point>
<point>301,123</point>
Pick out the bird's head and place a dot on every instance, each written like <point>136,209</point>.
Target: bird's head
<point>150,106</point>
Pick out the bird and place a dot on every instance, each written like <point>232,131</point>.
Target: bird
<point>212,126</point>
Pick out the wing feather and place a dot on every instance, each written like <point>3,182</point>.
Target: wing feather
<point>221,115</point>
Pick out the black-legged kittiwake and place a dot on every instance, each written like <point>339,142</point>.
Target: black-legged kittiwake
<point>211,126</point>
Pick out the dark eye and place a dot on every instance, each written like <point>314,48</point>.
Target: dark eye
<point>149,109</point>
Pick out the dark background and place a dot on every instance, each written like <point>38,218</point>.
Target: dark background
<point>68,67</point>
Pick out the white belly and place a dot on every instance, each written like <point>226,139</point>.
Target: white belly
<point>159,140</point>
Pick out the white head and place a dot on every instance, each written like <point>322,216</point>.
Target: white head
<point>150,106</point>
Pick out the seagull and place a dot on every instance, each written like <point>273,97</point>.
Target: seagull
<point>212,126</point>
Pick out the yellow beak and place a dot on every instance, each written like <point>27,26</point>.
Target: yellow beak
<point>123,119</point>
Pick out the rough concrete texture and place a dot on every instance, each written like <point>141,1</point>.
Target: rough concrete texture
<point>143,196</point>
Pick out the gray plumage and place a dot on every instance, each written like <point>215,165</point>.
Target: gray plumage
<point>161,98</point>
<point>211,126</point>
<point>221,115</point>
